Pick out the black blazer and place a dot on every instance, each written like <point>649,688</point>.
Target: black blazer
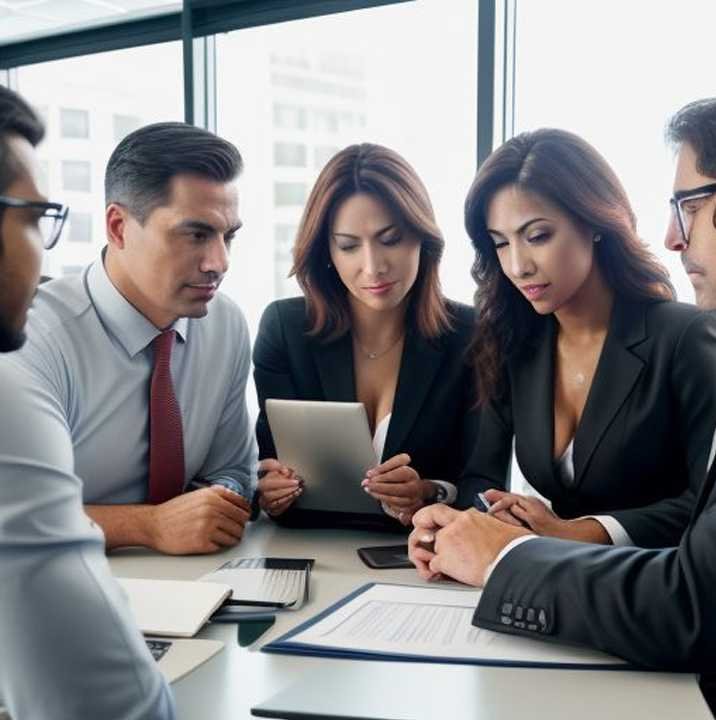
<point>654,608</point>
<point>641,446</point>
<point>433,419</point>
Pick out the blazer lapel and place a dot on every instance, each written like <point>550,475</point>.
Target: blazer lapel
<point>418,366</point>
<point>334,361</point>
<point>534,401</point>
<point>620,364</point>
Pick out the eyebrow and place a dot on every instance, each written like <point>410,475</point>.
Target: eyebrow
<point>380,232</point>
<point>520,229</point>
<point>206,227</point>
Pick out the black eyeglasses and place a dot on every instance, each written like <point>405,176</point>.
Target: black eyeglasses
<point>51,221</point>
<point>686,203</point>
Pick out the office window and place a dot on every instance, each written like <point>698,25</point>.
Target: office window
<point>284,237</point>
<point>76,175</point>
<point>123,125</point>
<point>290,116</point>
<point>289,193</point>
<point>326,121</point>
<point>289,154</point>
<point>151,89</point>
<point>67,270</point>
<point>618,95</point>
<point>365,75</point>
<point>74,123</point>
<point>322,154</point>
<point>80,227</point>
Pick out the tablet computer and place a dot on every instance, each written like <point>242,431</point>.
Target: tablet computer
<point>329,445</point>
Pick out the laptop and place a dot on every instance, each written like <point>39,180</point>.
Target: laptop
<point>329,445</point>
<point>177,657</point>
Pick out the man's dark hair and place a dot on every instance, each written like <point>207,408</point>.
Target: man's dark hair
<point>695,124</point>
<point>16,116</point>
<point>143,164</point>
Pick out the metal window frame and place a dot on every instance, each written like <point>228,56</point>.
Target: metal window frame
<point>199,20</point>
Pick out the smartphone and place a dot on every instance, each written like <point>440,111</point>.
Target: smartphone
<point>383,557</point>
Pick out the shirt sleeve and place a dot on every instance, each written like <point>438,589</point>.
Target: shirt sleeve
<point>231,460</point>
<point>617,534</point>
<point>65,625</point>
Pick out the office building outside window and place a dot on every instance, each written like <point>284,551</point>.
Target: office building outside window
<point>76,175</point>
<point>80,227</point>
<point>74,123</point>
<point>80,100</point>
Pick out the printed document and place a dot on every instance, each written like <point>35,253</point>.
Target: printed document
<point>429,622</point>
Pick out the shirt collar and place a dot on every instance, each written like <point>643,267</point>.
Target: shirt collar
<point>121,319</point>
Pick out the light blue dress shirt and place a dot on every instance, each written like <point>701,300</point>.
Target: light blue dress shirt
<point>89,351</point>
<point>68,645</point>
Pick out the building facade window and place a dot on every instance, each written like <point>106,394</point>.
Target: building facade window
<point>80,227</point>
<point>287,154</point>
<point>74,123</point>
<point>290,117</point>
<point>76,175</point>
<point>289,193</point>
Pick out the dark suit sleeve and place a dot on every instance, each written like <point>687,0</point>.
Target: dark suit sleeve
<point>488,463</point>
<point>693,387</point>
<point>272,374</point>
<point>651,607</point>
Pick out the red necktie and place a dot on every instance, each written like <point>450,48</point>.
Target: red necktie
<point>166,440</point>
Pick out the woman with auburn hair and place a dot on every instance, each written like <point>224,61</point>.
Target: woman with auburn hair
<point>374,327</point>
<point>607,386</point>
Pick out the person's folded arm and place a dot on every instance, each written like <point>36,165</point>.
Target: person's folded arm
<point>65,625</point>
<point>232,456</point>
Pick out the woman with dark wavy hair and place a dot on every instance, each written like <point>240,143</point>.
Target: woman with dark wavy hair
<point>372,326</point>
<point>607,385</point>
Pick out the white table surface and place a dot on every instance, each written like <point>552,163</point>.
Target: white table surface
<point>236,679</point>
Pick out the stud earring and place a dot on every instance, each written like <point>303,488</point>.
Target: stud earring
<point>597,238</point>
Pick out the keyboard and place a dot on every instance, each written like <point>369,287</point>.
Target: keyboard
<point>158,648</point>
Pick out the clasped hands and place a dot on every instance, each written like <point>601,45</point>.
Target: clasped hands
<point>393,483</point>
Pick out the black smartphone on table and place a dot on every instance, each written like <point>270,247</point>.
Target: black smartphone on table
<point>384,557</point>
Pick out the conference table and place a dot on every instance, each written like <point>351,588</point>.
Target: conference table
<point>238,678</point>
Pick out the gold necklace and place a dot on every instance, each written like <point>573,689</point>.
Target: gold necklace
<point>378,354</point>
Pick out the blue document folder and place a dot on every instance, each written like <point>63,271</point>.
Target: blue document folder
<point>424,624</point>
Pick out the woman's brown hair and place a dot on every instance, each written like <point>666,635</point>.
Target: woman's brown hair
<point>382,173</point>
<point>567,171</point>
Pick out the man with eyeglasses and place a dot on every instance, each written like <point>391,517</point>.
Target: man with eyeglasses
<point>692,229</point>
<point>654,608</point>
<point>68,645</point>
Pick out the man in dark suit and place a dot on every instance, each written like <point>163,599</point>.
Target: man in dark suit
<point>652,607</point>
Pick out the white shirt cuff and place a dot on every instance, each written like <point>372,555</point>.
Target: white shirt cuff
<point>505,550</point>
<point>617,534</point>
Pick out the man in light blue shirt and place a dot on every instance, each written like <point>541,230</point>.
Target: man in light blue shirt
<point>68,645</point>
<point>171,214</point>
